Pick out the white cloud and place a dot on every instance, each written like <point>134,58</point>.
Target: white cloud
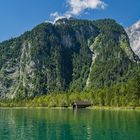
<point>77,7</point>
<point>57,16</point>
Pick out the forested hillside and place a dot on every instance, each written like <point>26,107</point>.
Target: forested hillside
<point>68,56</point>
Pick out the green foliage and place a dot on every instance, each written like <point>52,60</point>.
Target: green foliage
<point>58,58</point>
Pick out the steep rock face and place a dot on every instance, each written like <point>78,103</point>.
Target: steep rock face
<point>134,35</point>
<point>69,55</point>
<point>113,56</point>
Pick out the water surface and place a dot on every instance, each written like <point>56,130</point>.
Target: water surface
<point>51,124</point>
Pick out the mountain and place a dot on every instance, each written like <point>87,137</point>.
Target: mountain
<point>134,35</point>
<point>70,55</point>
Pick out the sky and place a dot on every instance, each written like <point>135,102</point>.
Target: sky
<point>18,16</point>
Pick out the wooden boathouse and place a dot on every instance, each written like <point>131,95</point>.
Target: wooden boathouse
<point>81,104</point>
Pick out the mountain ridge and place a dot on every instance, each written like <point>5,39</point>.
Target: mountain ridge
<point>70,55</point>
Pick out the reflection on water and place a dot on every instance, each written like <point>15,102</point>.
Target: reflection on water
<point>49,124</point>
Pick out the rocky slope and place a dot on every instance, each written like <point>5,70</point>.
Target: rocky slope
<point>134,35</point>
<point>68,55</point>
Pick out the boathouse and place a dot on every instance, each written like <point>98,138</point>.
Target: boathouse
<point>81,104</point>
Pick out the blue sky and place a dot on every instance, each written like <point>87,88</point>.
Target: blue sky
<point>18,16</point>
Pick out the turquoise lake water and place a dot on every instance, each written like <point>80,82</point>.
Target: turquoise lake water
<point>54,124</point>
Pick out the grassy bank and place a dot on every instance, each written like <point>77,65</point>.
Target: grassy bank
<point>107,108</point>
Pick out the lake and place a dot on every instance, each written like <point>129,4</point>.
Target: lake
<point>55,124</point>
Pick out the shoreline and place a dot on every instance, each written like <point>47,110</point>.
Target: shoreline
<point>90,108</point>
<point>114,108</point>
